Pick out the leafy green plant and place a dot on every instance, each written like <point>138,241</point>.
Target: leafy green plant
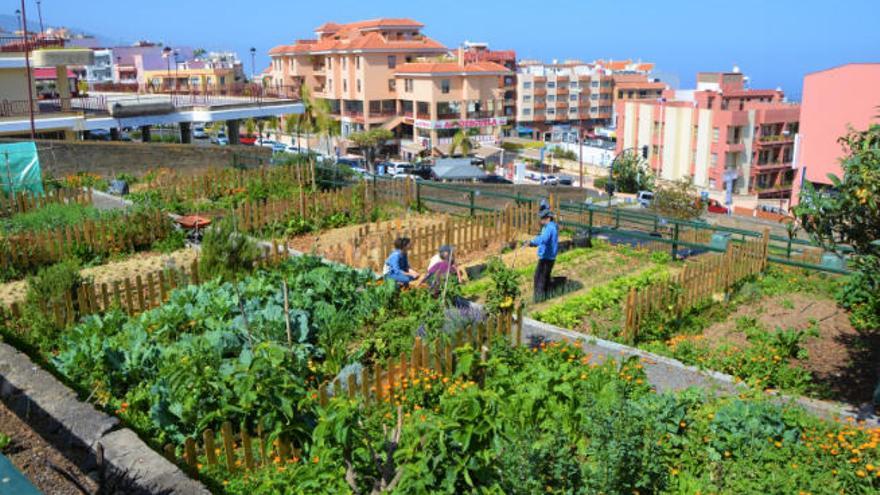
<point>505,286</point>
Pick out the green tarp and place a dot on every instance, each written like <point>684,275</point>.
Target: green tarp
<point>20,168</point>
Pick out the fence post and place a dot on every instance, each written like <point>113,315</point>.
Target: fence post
<point>590,230</point>
<point>617,220</point>
<point>472,195</point>
<point>675,241</point>
<point>418,196</point>
<point>765,248</point>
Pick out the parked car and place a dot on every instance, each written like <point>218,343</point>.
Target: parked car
<point>715,206</point>
<point>266,143</point>
<point>351,162</point>
<point>248,139</point>
<point>198,132</point>
<point>279,148</point>
<point>772,209</point>
<point>566,180</point>
<point>220,136</point>
<point>424,172</point>
<point>222,141</point>
<point>495,179</point>
<point>405,176</point>
<point>644,198</point>
<point>550,180</point>
<point>394,168</point>
<point>99,134</point>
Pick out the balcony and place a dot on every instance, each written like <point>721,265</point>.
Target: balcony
<point>423,116</point>
<point>14,44</point>
<point>776,139</point>
<point>540,92</point>
<point>480,115</point>
<point>562,90</point>
<point>539,105</point>
<point>773,166</point>
<point>447,116</point>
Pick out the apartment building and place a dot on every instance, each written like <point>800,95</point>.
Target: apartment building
<point>480,52</point>
<point>578,94</point>
<point>720,129</point>
<point>834,100</point>
<point>386,73</point>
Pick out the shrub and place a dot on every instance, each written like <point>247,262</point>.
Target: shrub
<point>505,286</point>
<point>226,252</point>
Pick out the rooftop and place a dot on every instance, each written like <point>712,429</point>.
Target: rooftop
<point>451,68</point>
<point>364,35</point>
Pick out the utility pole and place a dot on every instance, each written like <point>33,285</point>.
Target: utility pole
<point>253,64</point>
<point>580,143</point>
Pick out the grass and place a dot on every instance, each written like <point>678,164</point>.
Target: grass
<point>51,216</point>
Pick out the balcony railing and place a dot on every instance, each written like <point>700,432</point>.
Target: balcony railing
<point>251,92</point>
<point>21,108</point>
<point>18,43</point>
<point>776,139</point>
<point>423,116</point>
<point>447,116</point>
<point>480,115</point>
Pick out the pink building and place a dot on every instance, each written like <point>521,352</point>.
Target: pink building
<point>833,101</point>
<point>719,127</point>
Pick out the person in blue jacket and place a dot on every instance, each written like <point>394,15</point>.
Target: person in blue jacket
<point>397,265</point>
<point>547,243</point>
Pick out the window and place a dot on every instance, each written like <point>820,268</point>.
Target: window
<point>392,61</point>
<point>357,62</point>
<point>527,97</point>
<point>344,63</point>
<point>444,86</point>
<point>594,96</point>
<point>551,111</point>
<point>392,85</point>
<point>551,98</point>
<point>345,85</point>
<point>329,84</point>
<point>527,111</point>
<point>572,97</point>
<point>408,85</point>
<point>714,134</point>
<point>551,84</point>
<point>594,84</point>
<point>329,63</point>
<point>572,110</point>
<point>527,85</point>
<point>358,85</point>
<point>573,84</point>
<point>655,150</point>
<point>714,161</point>
<point>222,80</point>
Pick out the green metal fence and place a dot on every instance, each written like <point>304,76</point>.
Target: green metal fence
<point>629,224</point>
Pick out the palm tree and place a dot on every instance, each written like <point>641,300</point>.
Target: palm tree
<point>462,142</point>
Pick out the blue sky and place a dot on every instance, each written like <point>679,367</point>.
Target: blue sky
<point>774,41</point>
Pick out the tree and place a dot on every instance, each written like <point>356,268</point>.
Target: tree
<point>679,200</point>
<point>370,141</point>
<point>198,52</point>
<point>631,174</point>
<point>850,215</point>
<point>273,123</point>
<point>249,126</point>
<point>462,142</point>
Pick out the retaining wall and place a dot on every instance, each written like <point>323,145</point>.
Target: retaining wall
<point>110,158</point>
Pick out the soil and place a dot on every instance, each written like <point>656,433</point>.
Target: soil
<point>841,359</point>
<point>317,241</point>
<point>131,266</point>
<point>39,461</point>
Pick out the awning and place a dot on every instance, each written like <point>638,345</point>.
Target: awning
<point>487,151</point>
<point>413,148</point>
<point>443,149</point>
<point>524,130</point>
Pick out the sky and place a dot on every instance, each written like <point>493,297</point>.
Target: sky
<point>774,42</point>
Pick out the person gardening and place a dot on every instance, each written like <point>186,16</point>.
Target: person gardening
<point>442,270</point>
<point>547,243</point>
<point>397,265</point>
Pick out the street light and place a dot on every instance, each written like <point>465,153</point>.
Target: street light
<point>253,64</point>
<point>18,17</point>
<point>40,14</point>
<point>166,53</point>
<point>176,69</point>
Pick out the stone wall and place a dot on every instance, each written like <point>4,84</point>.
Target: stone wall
<point>110,158</point>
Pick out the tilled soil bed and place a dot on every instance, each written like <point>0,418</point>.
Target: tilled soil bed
<point>39,461</point>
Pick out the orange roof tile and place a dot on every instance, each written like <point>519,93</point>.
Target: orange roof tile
<point>449,67</point>
<point>645,67</point>
<point>330,27</point>
<point>360,41</point>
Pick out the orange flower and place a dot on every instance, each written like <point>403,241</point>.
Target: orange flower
<point>316,459</point>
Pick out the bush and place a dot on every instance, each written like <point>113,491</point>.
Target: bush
<point>227,253</point>
<point>48,288</point>
<point>678,200</point>
<point>505,286</point>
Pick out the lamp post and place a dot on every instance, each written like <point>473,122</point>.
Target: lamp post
<point>176,70</point>
<point>166,52</point>
<point>253,64</point>
<point>40,15</point>
<point>27,65</point>
<point>118,69</point>
<point>18,19</point>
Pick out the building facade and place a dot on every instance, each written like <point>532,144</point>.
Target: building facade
<point>718,130</point>
<point>480,52</point>
<point>386,73</point>
<point>834,100</point>
<point>578,95</point>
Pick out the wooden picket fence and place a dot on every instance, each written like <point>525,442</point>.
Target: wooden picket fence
<point>370,246</point>
<point>709,276</point>
<point>33,249</point>
<point>309,205</point>
<point>131,294</point>
<point>238,449</point>
<point>25,201</point>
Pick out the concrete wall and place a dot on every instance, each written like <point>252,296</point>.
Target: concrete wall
<point>13,85</point>
<point>61,158</point>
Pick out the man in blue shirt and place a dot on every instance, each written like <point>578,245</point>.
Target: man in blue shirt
<point>548,244</point>
<point>397,265</point>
